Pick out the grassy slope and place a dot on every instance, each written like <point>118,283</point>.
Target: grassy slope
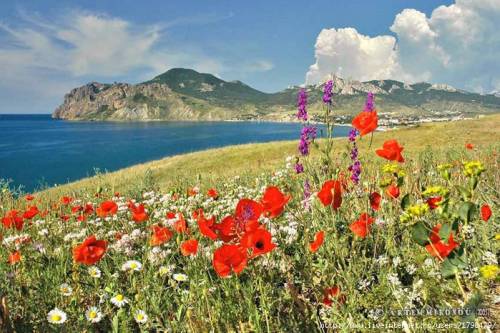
<point>216,164</point>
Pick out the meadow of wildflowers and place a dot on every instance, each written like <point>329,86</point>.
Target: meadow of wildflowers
<point>340,241</point>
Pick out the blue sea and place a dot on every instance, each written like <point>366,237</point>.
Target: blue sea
<point>37,151</point>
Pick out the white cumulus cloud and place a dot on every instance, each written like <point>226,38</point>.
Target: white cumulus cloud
<point>458,44</point>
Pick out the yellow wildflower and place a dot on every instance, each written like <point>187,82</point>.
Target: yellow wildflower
<point>435,190</point>
<point>473,168</point>
<point>489,272</point>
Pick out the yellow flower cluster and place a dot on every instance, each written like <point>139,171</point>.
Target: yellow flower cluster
<point>489,272</point>
<point>393,168</point>
<point>435,190</point>
<point>414,211</point>
<point>473,168</point>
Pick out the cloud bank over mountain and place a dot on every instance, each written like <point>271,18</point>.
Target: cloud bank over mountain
<point>458,45</point>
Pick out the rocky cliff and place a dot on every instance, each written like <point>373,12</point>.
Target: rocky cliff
<point>184,94</point>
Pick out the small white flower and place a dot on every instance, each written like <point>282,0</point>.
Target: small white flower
<point>411,269</point>
<point>489,258</point>
<point>179,277</point>
<point>140,316</point>
<point>164,270</point>
<point>93,314</point>
<point>132,265</point>
<point>66,289</point>
<point>119,300</point>
<point>396,261</point>
<point>56,316</point>
<point>94,272</point>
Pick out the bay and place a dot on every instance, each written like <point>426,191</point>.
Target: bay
<point>37,151</point>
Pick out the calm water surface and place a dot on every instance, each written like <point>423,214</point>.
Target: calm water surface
<point>36,150</point>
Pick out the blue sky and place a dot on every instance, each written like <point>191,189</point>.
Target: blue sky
<point>49,47</point>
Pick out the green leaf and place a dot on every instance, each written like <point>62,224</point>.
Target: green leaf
<point>401,181</point>
<point>466,211</point>
<point>405,202</point>
<point>465,192</point>
<point>455,262</point>
<point>420,234</point>
<point>448,270</point>
<point>473,183</point>
<point>445,231</point>
<point>115,324</point>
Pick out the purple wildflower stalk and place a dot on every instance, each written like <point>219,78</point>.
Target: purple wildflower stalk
<point>299,168</point>
<point>307,135</point>
<point>327,93</point>
<point>302,105</point>
<point>369,104</point>
<point>355,167</point>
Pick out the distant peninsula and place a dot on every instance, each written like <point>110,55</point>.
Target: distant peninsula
<point>187,95</point>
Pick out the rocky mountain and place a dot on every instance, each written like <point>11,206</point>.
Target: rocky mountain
<point>184,94</point>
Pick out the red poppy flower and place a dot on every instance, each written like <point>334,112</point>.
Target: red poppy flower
<point>258,242</point>
<point>438,248</point>
<point>247,215</point>
<point>331,194</point>
<point>170,215</point>
<point>226,229</point>
<point>160,235</point>
<point>319,238</point>
<point>180,225</point>
<point>229,258</point>
<point>433,202</point>
<point>361,227</point>
<point>66,200</point>
<point>205,225</point>
<point>375,200</point>
<point>365,122</point>
<point>138,212</point>
<point>392,191</point>
<point>333,294</point>
<point>189,247</point>
<point>90,251</point>
<point>274,201</point>
<point>212,193</point>
<point>469,146</point>
<point>391,150</point>
<point>29,197</point>
<point>14,258</point>
<point>13,219</point>
<point>31,212</point>
<point>485,212</point>
<point>107,208</point>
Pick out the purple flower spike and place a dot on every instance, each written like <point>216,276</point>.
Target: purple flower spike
<point>369,104</point>
<point>302,105</point>
<point>299,168</point>
<point>327,92</point>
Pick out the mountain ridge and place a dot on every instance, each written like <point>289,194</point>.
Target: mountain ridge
<point>182,94</point>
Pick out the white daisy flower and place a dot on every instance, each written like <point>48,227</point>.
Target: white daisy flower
<point>66,289</point>
<point>56,316</point>
<point>93,314</point>
<point>119,300</point>
<point>179,277</point>
<point>94,272</point>
<point>140,317</point>
<point>132,265</point>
